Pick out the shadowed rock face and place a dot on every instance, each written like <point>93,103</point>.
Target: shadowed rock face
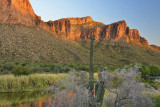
<point>74,29</point>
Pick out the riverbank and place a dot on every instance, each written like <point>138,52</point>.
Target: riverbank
<point>33,82</point>
<point>29,83</point>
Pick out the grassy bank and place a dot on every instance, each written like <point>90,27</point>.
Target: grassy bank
<point>33,82</point>
<point>11,83</point>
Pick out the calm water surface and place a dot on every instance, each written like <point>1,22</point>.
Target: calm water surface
<point>155,77</point>
<point>24,99</point>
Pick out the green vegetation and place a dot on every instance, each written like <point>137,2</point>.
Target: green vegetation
<point>11,83</point>
<point>155,97</point>
<point>145,70</point>
<point>154,71</point>
<point>21,43</point>
<point>21,71</point>
<point>33,82</point>
<point>150,70</point>
<point>157,101</point>
<point>26,68</point>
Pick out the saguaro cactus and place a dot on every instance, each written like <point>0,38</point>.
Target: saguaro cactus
<point>91,73</point>
<point>99,88</point>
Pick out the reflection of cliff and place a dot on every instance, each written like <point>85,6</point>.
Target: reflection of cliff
<point>39,103</point>
<point>44,102</point>
<point>75,29</point>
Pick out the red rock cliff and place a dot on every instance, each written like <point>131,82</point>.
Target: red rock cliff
<point>83,28</point>
<point>65,28</point>
<point>21,12</point>
<point>17,11</point>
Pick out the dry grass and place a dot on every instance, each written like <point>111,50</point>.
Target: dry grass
<point>11,83</point>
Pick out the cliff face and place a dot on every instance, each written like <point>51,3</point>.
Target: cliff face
<point>156,47</point>
<point>83,28</point>
<point>17,11</point>
<point>65,28</point>
<point>21,12</point>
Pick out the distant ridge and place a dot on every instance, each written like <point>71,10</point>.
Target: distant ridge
<point>157,47</point>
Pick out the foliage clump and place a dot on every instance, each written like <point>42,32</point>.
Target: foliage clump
<point>26,68</point>
<point>149,74</point>
<point>123,87</point>
<point>150,70</point>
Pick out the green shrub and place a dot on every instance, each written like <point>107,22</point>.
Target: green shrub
<point>19,68</point>
<point>8,66</point>
<point>157,101</point>
<point>144,70</point>
<point>154,85</point>
<point>21,71</point>
<point>154,71</point>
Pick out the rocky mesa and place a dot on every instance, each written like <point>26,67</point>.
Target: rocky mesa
<point>74,29</point>
<point>83,28</point>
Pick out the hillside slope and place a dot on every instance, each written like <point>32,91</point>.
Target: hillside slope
<point>22,43</point>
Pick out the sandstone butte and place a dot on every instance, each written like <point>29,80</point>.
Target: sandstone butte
<point>74,29</point>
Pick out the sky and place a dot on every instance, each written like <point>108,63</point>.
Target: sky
<point>143,15</point>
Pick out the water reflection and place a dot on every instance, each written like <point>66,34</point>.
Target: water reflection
<point>151,78</point>
<point>25,99</point>
<point>155,77</point>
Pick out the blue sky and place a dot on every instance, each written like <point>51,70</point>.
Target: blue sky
<point>143,15</point>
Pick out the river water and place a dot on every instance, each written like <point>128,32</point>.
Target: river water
<point>155,77</point>
<point>24,99</point>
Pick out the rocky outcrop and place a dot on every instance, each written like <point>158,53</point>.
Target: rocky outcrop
<point>65,28</point>
<point>20,12</point>
<point>17,12</point>
<point>155,47</point>
<point>75,29</point>
<point>83,28</point>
